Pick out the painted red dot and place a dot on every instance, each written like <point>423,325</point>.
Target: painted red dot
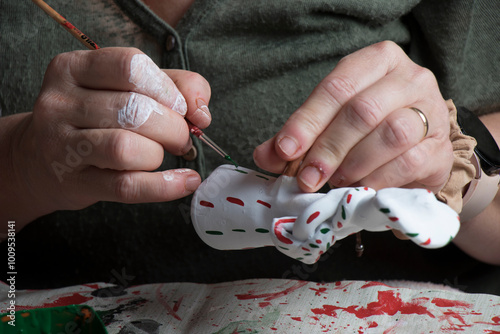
<point>307,250</point>
<point>207,204</point>
<point>318,241</point>
<point>339,225</point>
<point>365,188</point>
<point>426,242</point>
<point>312,217</point>
<point>349,197</point>
<point>393,219</point>
<point>236,201</point>
<point>264,203</point>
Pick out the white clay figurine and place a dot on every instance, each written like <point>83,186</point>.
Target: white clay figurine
<point>242,209</point>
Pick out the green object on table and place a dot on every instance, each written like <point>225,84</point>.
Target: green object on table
<point>80,319</point>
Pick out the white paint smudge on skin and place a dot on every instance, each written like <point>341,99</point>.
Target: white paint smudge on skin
<point>137,111</point>
<point>169,175</point>
<point>150,80</point>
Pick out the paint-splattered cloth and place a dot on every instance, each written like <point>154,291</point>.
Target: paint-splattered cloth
<point>262,58</point>
<point>273,306</point>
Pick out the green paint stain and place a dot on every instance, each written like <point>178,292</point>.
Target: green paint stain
<point>325,230</point>
<point>261,230</point>
<point>328,245</point>
<point>412,235</point>
<point>343,213</point>
<point>384,210</point>
<point>262,177</point>
<point>214,232</point>
<point>283,248</point>
<point>228,158</point>
<point>240,171</point>
<point>314,246</point>
<point>238,230</point>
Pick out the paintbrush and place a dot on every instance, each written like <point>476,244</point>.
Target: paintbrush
<point>85,40</point>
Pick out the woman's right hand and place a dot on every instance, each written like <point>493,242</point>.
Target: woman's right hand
<point>99,127</point>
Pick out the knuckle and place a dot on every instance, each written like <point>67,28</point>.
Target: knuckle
<point>119,147</point>
<point>126,189</point>
<point>423,76</point>
<point>312,124</point>
<point>387,47</point>
<point>364,113</point>
<point>338,89</point>
<point>330,150</point>
<point>411,163</point>
<point>396,133</point>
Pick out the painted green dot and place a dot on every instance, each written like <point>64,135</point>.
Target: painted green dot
<point>307,254</point>
<point>262,177</point>
<point>283,248</point>
<point>240,171</point>
<point>261,230</point>
<point>412,235</point>
<point>299,258</point>
<point>313,246</point>
<point>385,210</point>
<point>238,230</point>
<point>328,245</point>
<point>214,232</point>
<point>343,213</point>
<point>325,230</point>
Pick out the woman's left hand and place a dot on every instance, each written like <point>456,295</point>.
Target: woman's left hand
<point>358,127</point>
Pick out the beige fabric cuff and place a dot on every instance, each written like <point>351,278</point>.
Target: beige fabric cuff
<point>463,170</point>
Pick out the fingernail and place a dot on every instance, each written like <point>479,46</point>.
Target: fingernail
<point>310,176</point>
<point>192,183</point>
<point>191,155</point>
<point>203,110</point>
<point>288,145</point>
<point>180,105</point>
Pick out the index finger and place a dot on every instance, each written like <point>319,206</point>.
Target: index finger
<point>353,74</point>
<point>121,69</point>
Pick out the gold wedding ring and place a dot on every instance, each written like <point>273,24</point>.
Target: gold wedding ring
<point>423,118</point>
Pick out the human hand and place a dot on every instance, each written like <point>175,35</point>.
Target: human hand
<point>357,128</point>
<point>102,121</point>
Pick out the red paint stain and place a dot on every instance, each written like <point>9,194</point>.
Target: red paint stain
<point>92,286</point>
<point>236,201</point>
<point>318,291</point>
<point>349,197</point>
<point>171,311</point>
<point>74,298</point>
<point>207,204</point>
<point>440,302</point>
<point>137,293</point>
<point>372,324</point>
<point>387,303</point>
<point>339,225</point>
<point>278,230</point>
<point>264,203</point>
<point>312,217</point>
<point>271,295</point>
<point>264,304</point>
<point>297,318</point>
